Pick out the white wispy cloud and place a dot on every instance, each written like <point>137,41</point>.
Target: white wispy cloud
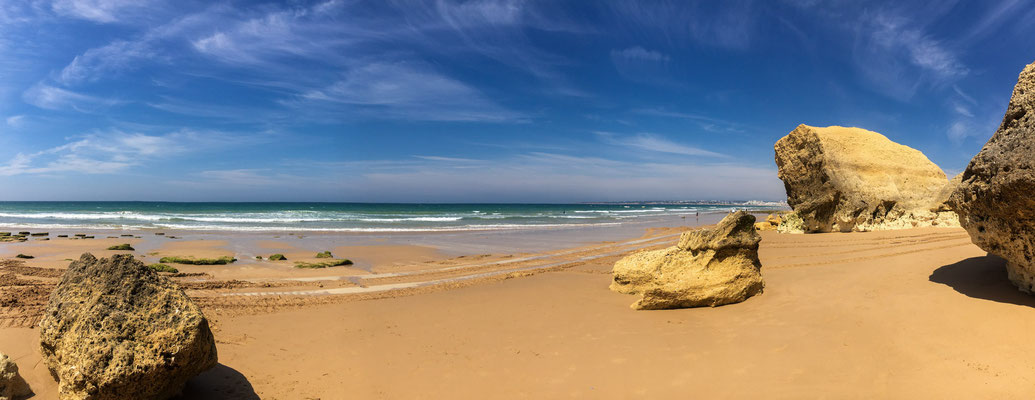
<point>497,30</point>
<point>967,124</point>
<point>708,123</point>
<point>963,95</point>
<point>243,177</point>
<point>312,32</point>
<point>14,12</point>
<point>639,53</point>
<point>655,143</point>
<point>962,110</point>
<point>216,111</point>
<point>410,91</point>
<point>113,151</point>
<point>103,11</point>
<point>642,65</point>
<point>15,121</point>
<point>319,33</point>
<point>117,57</point>
<point>959,130</point>
<point>136,51</point>
<point>448,159</point>
<point>54,98</point>
<point>897,57</point>
<point>970,118</point>
<point>264,47</point>
<point>727,24</point>
<point>998,16</point>
<point>892,45</point>
<point>540,176</point>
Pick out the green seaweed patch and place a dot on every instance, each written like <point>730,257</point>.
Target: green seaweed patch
<point>124,246</point>
<point>197,261</point>
<point>20,255</point>
<point>163,268</point>
<point>258,257</point>
<point>277,257</point>
<point>323,264</point>
<point>324,254</point>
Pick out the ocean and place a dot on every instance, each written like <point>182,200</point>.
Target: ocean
<point>346,217</point>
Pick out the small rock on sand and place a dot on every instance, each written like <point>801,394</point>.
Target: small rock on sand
<point>12,386</point>
<point>708,267</point>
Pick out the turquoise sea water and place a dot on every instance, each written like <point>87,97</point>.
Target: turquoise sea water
<point>343,217</point>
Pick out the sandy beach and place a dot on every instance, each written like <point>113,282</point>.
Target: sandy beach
<point>500,199</point>
<point>894,314</point>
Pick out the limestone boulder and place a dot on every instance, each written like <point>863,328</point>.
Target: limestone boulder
<point>12,386</point>
<point>842,179</point>
<point>764,226</point>
<point>115,329</point>
<point>708,267</point>
<point>994,198</point>
<point>770,224</point>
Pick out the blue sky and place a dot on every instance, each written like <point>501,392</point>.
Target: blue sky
<point>480,101</point>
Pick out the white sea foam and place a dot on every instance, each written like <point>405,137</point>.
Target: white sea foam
<point>83,216</point>
<point>463,228</point>
<point>345,219</point>
<point>412,219</point>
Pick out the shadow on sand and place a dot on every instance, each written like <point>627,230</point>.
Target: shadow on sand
<point>982,278</point>
<point>220,382</point>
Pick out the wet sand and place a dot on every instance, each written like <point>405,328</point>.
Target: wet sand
<point>912,313</point>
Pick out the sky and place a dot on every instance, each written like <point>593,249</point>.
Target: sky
<point>480,101</point>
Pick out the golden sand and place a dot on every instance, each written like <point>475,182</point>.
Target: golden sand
<point>895,314</point>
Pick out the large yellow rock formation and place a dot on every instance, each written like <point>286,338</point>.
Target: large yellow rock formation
<point>851,179</point>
